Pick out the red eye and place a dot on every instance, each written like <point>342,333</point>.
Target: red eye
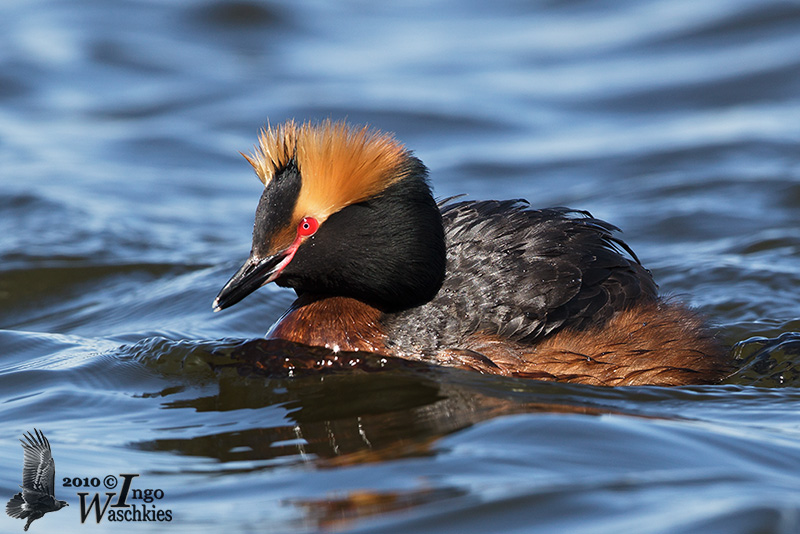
<point>307,227</point>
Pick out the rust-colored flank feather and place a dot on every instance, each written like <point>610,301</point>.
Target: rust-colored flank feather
<point>340,164</point>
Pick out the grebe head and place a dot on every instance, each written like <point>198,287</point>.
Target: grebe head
<point>345,211</point>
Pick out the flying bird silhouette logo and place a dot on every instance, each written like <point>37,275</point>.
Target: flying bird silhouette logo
<point>38,481</point>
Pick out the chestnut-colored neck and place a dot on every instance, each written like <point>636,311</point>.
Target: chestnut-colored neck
<point>336,323</point>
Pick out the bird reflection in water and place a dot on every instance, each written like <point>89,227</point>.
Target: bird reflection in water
<point>342,409</point>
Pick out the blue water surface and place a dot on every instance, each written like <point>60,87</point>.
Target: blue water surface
<point>125,206</point>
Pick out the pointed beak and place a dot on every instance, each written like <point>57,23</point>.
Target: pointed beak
<point>253,274</point>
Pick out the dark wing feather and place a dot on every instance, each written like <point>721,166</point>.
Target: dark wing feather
<point>39,469</point>
<point>522,274</point>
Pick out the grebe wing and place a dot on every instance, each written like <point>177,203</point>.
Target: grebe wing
<point>523,273</point>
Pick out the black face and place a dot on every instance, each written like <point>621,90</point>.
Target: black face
<point>273,217</point>
<point>275,208</point>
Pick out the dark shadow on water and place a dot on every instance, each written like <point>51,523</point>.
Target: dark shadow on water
<point>341,409</point>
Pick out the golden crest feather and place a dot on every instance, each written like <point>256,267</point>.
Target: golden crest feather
<point>339,164</point>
